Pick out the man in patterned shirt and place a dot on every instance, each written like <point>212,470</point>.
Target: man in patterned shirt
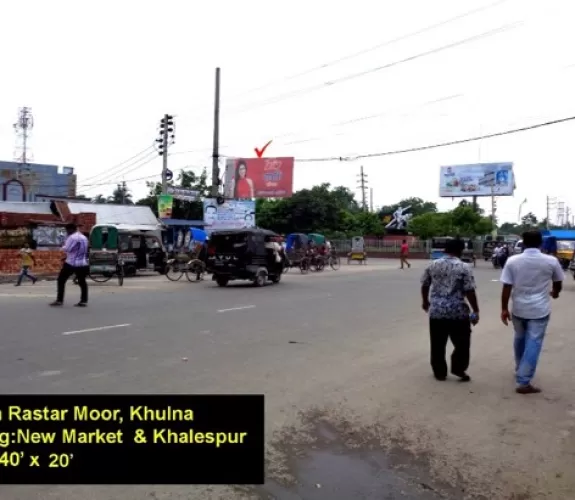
<point>76,262</point>
<point>445,286</point>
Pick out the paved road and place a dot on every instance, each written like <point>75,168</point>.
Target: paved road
<point>343,360</point>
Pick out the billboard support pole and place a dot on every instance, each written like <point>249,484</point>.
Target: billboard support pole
<point>474,202</point>
<point>216,142</point>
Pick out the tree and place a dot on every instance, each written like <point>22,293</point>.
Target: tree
<point>529,220</point>
<point>463,221</point>
<point>99,199</point>
<point>121,195</point>
<point>430,225</point>
<point>510,228</point>
<point>418,207</point>
<point>333,212</point>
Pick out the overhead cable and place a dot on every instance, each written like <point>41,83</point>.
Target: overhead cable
<point>440,144</point>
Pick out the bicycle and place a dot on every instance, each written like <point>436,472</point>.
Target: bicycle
<point>193,269</point>
<point>317,263</point>
<point>334,262</point>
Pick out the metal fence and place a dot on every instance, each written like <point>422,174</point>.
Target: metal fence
<point>382,246</point>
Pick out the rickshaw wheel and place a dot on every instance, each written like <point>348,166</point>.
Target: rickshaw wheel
<point>261,278</point>
<point>195,267</point>
<point>222,281</point>
<point>304,265</point>
<point>100,278</point>
<point>320,265</point>
<point>335,263</point>
<point>120,276</point>
<point>174,272</point>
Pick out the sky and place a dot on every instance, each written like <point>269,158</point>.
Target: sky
<point>99,77</point>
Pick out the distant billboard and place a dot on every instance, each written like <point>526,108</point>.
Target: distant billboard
<point>233,214</point>
<point>479,179</point>
<point>248,178</point>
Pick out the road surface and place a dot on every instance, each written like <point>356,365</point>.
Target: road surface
<point>352,409</point>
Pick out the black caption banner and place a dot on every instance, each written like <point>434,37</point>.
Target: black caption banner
<point>131,439</point>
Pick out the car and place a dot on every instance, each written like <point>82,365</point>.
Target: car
<point>518,248</point>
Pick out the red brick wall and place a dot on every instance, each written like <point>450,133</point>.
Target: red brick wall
<point>47,261</point>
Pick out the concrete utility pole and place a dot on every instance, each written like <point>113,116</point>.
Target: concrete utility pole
<point>166,139</point>
<point>549,205</point>
<point>363,187</point>
<point>216,145</point>
<point>371,199</point>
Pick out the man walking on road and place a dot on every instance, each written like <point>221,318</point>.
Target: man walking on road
<point>530,279</point>
<point>445,286</point>
<point>76,263</point>
<point>403,254</point>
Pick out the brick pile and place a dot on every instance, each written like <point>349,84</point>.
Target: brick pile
<point>48,262</point>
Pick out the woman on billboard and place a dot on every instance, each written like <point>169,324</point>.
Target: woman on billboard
<point>242,185</point>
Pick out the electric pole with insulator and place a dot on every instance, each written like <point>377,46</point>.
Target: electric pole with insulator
<point>166,139</point>
<point>363,187</point>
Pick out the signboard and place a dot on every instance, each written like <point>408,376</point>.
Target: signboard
<point>183,194</point>
<point>165,205</point>
<point>233,214</point>
<point>480,179</point>
<point>248,178</point>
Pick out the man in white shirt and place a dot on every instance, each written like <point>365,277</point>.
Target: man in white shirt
<point>530,279</point>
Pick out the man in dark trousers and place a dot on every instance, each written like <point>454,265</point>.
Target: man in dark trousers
<point>75,263</point>
<point>445,286</point>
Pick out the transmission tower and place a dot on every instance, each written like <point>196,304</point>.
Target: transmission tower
<point>23,128</point>
<point>363,188</point>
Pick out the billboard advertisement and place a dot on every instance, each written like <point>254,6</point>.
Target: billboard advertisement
<point>479,179</point>
<point>165,206</point>
<point>233,214</point>
<point>248,178</point>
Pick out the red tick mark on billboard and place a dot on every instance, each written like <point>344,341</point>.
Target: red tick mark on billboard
<point>260,152</point>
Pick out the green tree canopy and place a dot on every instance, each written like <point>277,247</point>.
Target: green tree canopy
<point>462,221</point>
<point>121,195</point>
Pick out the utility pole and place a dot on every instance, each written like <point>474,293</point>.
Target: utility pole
<point>371,200</point>
<point>166,139</point>
<point>567,217</point>
<point>216,143</point>
<point>493,213</point>
<point>549,206</point>
<point>363,187</point>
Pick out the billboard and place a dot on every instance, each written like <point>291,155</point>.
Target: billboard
<point>165,206</point>
<point>479,179</point>
<point>248,178</point>
<point>233,214</point>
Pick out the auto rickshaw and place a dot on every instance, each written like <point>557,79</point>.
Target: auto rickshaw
<point>565,250</point>
<point>357,253</point>
<point>245,254</point>
<point>468,254</point>
<point>104,255</point>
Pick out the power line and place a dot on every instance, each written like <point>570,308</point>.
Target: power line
<point>441,144</point>
<point>381,45</point>
<point>121,164</point>
<point>351,76</point>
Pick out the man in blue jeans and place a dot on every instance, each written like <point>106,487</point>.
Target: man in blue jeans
<point>530,280</point>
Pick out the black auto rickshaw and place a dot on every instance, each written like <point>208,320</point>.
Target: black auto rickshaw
<point>245,254</point>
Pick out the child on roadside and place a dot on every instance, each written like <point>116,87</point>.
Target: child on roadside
<point>28,261</point>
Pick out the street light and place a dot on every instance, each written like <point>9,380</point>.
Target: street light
<point>520,208</point>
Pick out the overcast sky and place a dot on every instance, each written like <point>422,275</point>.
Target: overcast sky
<point>99,78</point>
